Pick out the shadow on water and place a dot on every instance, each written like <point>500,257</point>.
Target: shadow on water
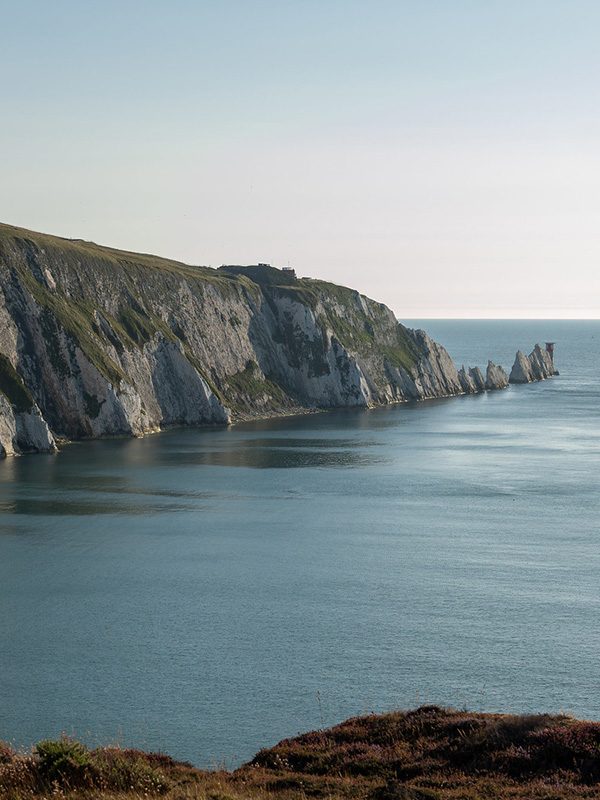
<point>142,476</point>
<point>308,443</point>
<point>257,457</point>
<point>74,508</point>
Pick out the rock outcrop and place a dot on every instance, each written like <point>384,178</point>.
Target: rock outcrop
<point>478,380</point>
<point>537,366</point>
<point>22,427</point>
<point>23,431</point>
<point>495,377</point>
<point>466,381</point>
<point>100,342</point>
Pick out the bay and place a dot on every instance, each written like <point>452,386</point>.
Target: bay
<point>208,592</point>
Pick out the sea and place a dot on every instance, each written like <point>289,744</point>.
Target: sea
<point>208,592</point>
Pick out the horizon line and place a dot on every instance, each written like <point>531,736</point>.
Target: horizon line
<point>498,319</point>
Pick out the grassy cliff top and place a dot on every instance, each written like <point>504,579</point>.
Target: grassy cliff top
<point>82,250</point>
<point>72,278</point>
<point>77,251</point>
<point>428,754</point>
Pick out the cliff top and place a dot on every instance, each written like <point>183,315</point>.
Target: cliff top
<point>81,249</point>
<point>97,341</point>
<point>78,251</point>
<point>428,754</point>
<point>81,254</point>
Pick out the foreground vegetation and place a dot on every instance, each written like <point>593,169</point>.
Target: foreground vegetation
<point>427,754</point>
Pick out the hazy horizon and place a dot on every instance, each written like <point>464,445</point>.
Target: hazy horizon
<point>440,158</point>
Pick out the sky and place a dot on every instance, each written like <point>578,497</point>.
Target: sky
<point>441,156</point>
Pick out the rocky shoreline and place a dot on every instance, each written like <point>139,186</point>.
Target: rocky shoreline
<point>97,342</point>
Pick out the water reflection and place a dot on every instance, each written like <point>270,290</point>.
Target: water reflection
<point>267,458</point>
<point>309,443</point>
<point>168,473</point>
<point>72,507</point>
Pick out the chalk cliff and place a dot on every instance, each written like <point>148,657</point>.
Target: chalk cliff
<point>100,342</point>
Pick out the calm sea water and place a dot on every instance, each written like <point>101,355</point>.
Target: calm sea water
<point>208,592</point>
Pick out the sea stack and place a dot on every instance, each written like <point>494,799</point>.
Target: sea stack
<point>537,366</point>
<point>495,377</point>
<point>466,381</point>
<point>476,376</point>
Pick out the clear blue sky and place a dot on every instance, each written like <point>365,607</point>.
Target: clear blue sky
<point>441,156</point>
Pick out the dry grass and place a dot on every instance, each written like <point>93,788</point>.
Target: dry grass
<point>427,754</point>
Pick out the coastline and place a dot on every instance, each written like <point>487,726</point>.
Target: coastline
<point>299,411</point>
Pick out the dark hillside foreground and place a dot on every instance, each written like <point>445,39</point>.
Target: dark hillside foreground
<point>431,753</point>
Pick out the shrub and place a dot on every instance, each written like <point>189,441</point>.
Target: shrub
<point>18,777</point>
<point>393,790</point>
<point>6,753</point>
<point>131,770</point>
<point>64,761</point>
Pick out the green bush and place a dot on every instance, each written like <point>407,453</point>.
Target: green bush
<point>12,386</point>
<point>64,761</point>
<point>130,770</point>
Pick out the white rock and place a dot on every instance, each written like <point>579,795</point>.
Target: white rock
<point>495,377</point>
<point>537,366</point>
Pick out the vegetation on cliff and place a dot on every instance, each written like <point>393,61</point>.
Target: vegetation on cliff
<point>109,342</point>
<point>102,342</point>
<point>427,754</point>
<point>12,386</point>
<point>135,320</point>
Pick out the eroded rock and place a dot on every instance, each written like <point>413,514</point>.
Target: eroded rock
<point>537,366</point>
<point>495,377</point>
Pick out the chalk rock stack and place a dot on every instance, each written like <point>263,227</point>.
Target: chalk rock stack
<point>495,377</point>
<point>466,381</point>
<point>472,380</point>
<point>476,376</point>
<point>537,366</point>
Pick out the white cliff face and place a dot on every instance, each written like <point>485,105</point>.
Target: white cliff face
<point>97,342</point>
<point>171,389</point>
<point>538,366</point>
<point>23,431</point>
<point>32,433</point>
<point>304,355</point>
<point>8,428</point>
<point>436,373</point>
